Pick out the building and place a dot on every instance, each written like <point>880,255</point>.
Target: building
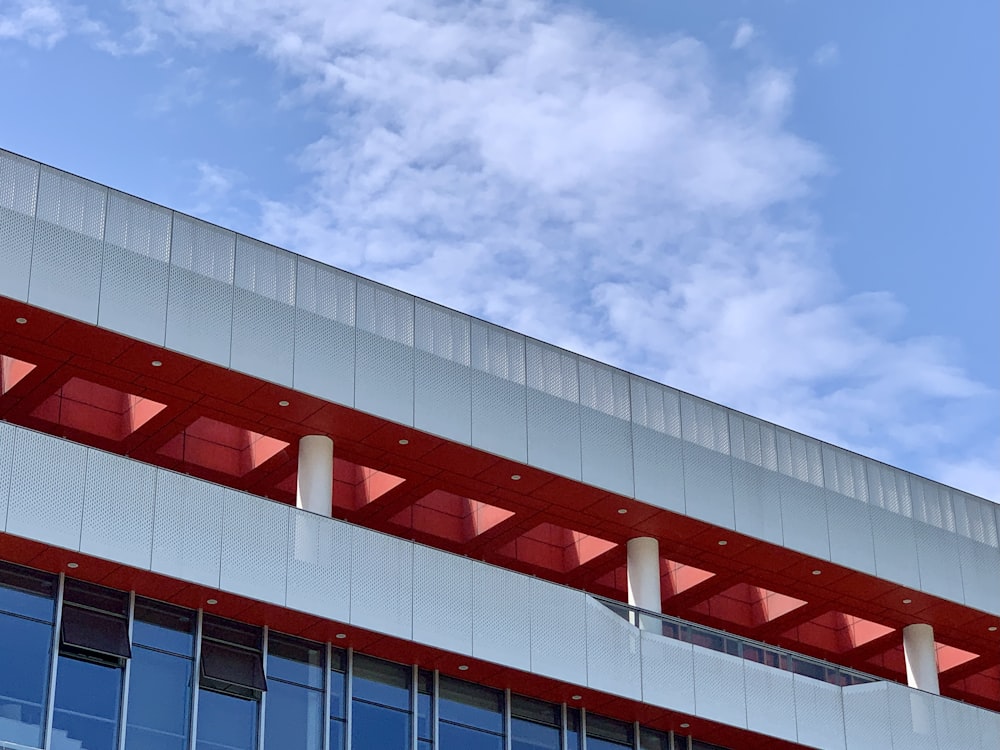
<point>251,501</point>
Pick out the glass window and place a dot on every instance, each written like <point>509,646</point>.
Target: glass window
<point>159,701</point>
<point>27,593</point>
<point>87,704</point>
<point>98,632</point>
<point>650,739</point>
<point>25,648</point>
<point>377,727</point>
<point>471,716</point>
<point>380,708</point>
<point>294,706</point>
<point>574,739</point>
<point>383,682</point>
<point>425,708</point>
<point>163,627</point>
<point>608,734</point>
<point>232,678</point>
<point>291,660</point>
<point>226,722</point>
<point>338,698</point>
<point>458,737</point>
<point>228,669</point>
<point>534,724</point>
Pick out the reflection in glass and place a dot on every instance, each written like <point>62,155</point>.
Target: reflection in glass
<point>159,700</point>
<point>527,735</point>
<point>381,705</point>
<point>24,653</point>
<point>226,722</point>
<point>379,728</point>
<point>86,706</point>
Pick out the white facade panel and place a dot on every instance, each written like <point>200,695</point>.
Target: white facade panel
<point>501,616</point>
<point>770,701</point>
<point>656,445</point>
<point>708,478</point>
<point>605,428</point>
<point>252,564</point>
<point>957,726</point>
<point>66,252</point>
<point>319,566</point>
<point>851,543</point>
<point>263,311</point>
<point>819,713</point>
<point>895,547</point>
<point>18,194</point>
<point>187,529</point>
<point>558,632</point>
<point>325,337</point>
<point>384,378</point>
<point>135,269</point>
<point>442,397</point>
<point>46,489</point>
<point>667,673</point>
<point>118,510</point>
<point>553,409</point>
<point>8,434</point>
<point>381,583</point>
<point>804,520</point>
<point>756,493</point>
<point>499,391</point>
<point>980,574</point>
<point>719,693</point>
<point>989,729</point>
<point>866,710</point>
<point>614,662</point>
<point>912,718</point>
<point>442,600</point>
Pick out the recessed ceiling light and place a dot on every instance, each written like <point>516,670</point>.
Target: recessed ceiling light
<point>992,628</point>
<point>463,667</point>
<point>404,441</point>
<point>156,363</point>
<point>576,697</point>
<point>72,565</point>
<point>817,572</point>
<point>907,601</point>
<point>20,321</point>
<point>341,635</point>
<point>723,542</point>
<point>282,403</point>
<point>212,601</point>
<point>622,511</point>
<point>685,725</point>
<point>516,477</point>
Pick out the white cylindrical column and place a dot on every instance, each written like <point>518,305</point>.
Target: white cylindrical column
<point>314,484</point>
<point>921,658</point>
<point>644,578</point>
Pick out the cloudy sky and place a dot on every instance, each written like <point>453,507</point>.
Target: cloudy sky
<point>787,207</point>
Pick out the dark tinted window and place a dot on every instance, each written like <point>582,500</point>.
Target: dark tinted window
<point>87,702</point>
<point>25,646</point>
<point>226,722</point>
<point>159,701</point>
<point>96,632</point>
<point>163,627</point>
<point>470,704</point>
<point>228,669</point>
<point>27,592</point>
<point>295,661</point>
<point>96,597</point>
<point>382,682</point>
<point>527,735</point>
<point>294,719</point>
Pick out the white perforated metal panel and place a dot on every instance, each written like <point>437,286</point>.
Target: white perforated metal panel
<point>381,583</point>
<point>989,729</point>
<point>957,725</point>
<point>719,694</point>
<point>442,599</point>
<point>7,435</point>
<point>501,616</point>
<point>656,444</point>
<point>975,518</point>
<point>66,253</point>
<point>605,428</point>
<point>442,398</point>
<point>851,543</point>
<point>614,662</point>
<point>18,192</point>
<point>499,392</point>
<point>558,632</point>
<point>755,488</point>
<point>254,563</point>
<point>895,547</point>
<point>819,713</point>
<point>553,409</point>
<point>118,509</point>
<point>866,714</point>
<point>770,698</point>
<point>939,562</point>
<point>319,566</point>
<point>46,489</point>
<point>200,301</point>
<point>325,304</point>
<point>980,574</point>
<point>384,378</point>
<point>263,311</point>
<point>667,673</point>
<point>912,719</point>
<point>187,528</point>
<point>803,498</point>
<point>135,268</point>
<point>708,478</point>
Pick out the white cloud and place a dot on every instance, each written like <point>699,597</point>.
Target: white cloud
<point>745,32</point>
<point>39,23</point>
<point>827,55</point>
<point>527,163</point>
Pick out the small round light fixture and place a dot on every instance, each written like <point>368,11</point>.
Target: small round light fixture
<point>211,601</point>
<point>685,725</point>
<point>282,403</point>
<point>72,565</point>
<point>404,441</point>
<point>992,628</point>
<point>907,601</point>
<point>341,636</point>
<point>463,667</point>
<point>516,477</point>
<point>156,363</point>
<point>622,511</point>
<point>576,697</point>
<point>817,572</point>
<point>723,542</point>
<point>20,321</point>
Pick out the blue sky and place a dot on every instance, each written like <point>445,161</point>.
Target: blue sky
<point>788,207</point>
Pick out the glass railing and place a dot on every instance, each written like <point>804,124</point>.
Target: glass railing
<point>744,648</point>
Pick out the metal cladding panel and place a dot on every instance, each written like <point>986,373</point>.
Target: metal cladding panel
<point>384,380</point>
<point>667,673</point>
<point>187,528</point>
<point>804,520</point>
<point>200,297</point>
<point>895,547</point>
<point>866,708</point>
<point>756,494</point>
<point>770,695</point>
<point>381,583</point>
<point>558,632</point>
<point>719,693</point>
<point>614,662</point>
<point>656,445</point>
<point>819,713</point>
<point>989,729</point>
<point>708,477</point>
<point>135,269</point>
<point>319,566</point>
<point>118,509</point>
<point>7,436</point>
<point>912,719</point>
<point>975,518</point>
<point>263,311</point>
<point>605,428</point>
<point>254,562</point>
<point>442,599</point>
<point>442,390</point>
<point>957,726</point>
<point>553,409</point>
<point>939,562</point>
<point>499,393</point>
<point>325,306</point>
<point>47,482</point>
<point>18,193</point>
<point>932,503</point>
<point>851,543</point>
<point>501,616</point>
<point>66,253</point>
<point>980,574</point>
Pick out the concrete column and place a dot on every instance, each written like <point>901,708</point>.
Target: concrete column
<point>921,658</point>
<point>644,579</point>
<point>314,484</point>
